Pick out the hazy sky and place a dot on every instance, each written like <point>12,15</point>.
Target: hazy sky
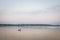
<point>30,11</point>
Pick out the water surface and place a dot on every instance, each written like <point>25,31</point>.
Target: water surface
<point>30,33</point>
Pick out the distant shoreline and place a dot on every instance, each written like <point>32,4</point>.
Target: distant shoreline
<point>28,25</point>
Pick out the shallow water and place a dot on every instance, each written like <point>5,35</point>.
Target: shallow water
<point>30,33</point>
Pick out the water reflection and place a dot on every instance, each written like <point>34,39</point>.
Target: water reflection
<point>40,27</point>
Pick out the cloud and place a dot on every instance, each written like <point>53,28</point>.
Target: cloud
<point>54,9</point>
<point>48,15</point>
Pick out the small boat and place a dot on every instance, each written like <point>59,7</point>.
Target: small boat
<point>19,29</point>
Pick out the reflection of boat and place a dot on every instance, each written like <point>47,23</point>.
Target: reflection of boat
<point>19,29</point>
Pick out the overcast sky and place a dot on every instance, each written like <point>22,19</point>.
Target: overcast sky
<point>30,11</point>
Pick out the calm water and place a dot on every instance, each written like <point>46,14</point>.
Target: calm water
<point>30,33</point>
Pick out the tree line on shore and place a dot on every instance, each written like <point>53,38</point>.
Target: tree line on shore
<point>28,25</point>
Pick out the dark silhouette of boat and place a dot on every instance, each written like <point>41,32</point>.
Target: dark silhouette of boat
<point>19,29</point>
